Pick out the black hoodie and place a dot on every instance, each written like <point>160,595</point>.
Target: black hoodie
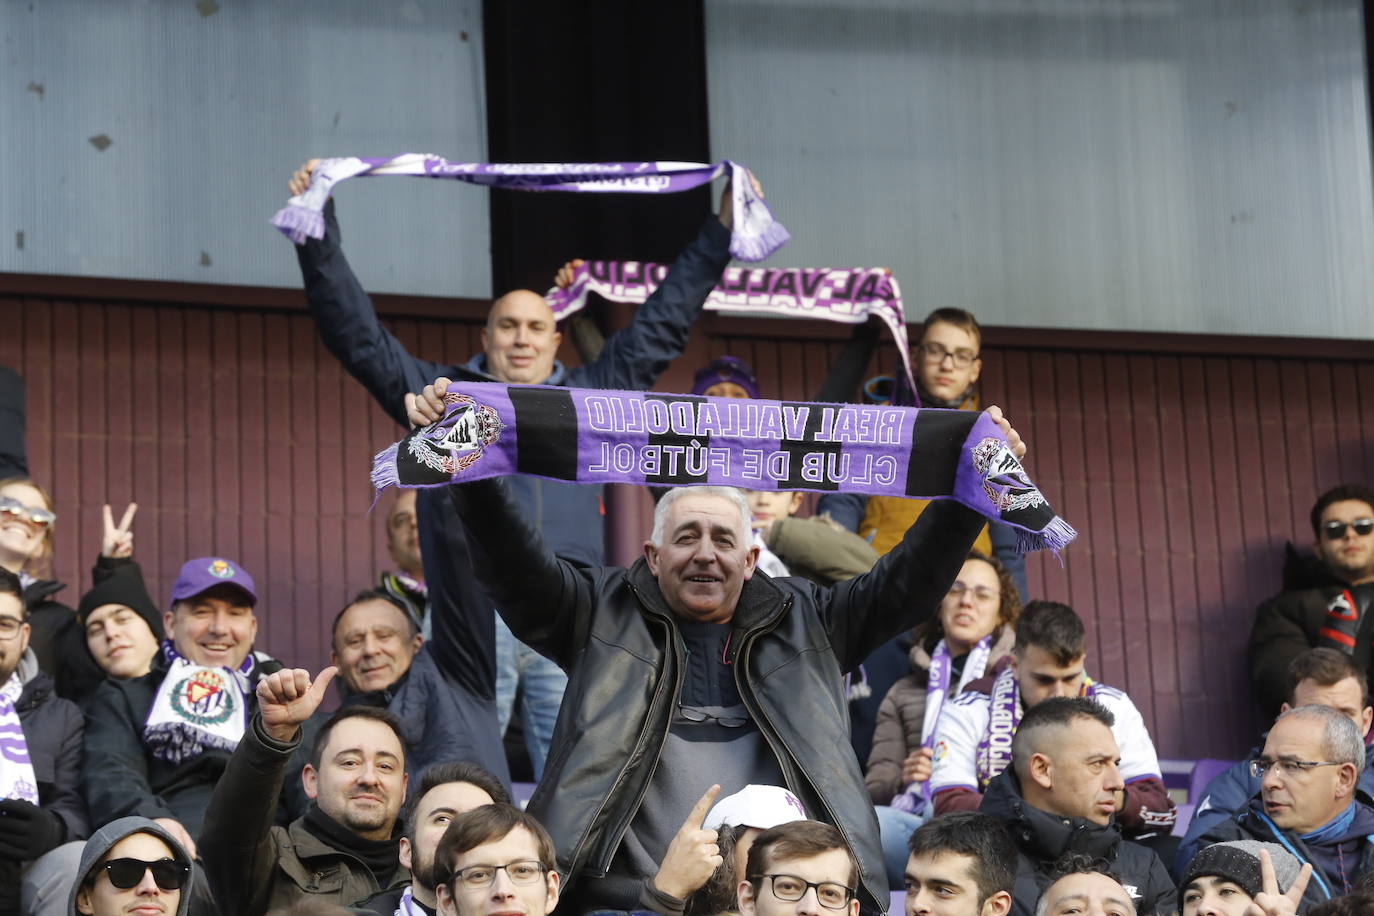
<point>1041,838</point>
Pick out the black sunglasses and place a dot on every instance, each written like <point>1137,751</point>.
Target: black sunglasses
<point>169,874</point>
<point>1334,531</point>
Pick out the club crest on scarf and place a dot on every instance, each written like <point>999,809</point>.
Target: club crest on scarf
<point>454,443</point>
<point>1004,479</point>
<point>202,698</point>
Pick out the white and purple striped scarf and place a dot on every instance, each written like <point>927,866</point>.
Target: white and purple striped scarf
<point>17,780</point>
<point>756,235</point>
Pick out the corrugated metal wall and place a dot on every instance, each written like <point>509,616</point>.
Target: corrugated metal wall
<point>1166,165</point>
<point>237,434</point>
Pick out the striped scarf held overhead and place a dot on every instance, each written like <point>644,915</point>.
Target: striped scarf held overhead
<point>650,439</point>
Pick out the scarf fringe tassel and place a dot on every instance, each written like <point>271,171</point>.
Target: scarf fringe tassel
<point>1056,536</point>
<point>299,223</point>
<point>384,473</point>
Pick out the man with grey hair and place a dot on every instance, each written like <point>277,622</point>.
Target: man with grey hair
<point>1059,798</point>
<point>1309,801</point>
<point>691,667</point>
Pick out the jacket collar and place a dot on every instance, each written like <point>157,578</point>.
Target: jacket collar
<point>760,601</point>
<point>1042,835</point>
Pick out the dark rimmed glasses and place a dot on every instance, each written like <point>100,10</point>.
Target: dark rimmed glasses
<point>936,353</point>
<point>1334,531</point>
<point>169,874</point>
<point>525,871</point>
<point>829,894</point>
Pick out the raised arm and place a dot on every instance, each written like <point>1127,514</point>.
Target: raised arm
<point>462,619</point>
<point>544,600</point>
<point>236,846</point>
<point>634,357</point>
<point>347,320</point>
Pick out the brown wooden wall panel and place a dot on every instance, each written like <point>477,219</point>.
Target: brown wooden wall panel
<point>1185,470</point>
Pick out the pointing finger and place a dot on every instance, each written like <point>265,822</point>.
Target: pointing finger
<point>109,517</point>
<point>128,519</point>
<point>702,807</point>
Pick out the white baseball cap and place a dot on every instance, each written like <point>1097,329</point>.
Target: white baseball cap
<point>755,806</point>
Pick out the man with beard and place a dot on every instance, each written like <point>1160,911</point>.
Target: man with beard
<point>346,846</point>
<point>444,791</point>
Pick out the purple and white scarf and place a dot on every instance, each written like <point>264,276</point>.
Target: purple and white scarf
<point>650,439</point>
<point>994,749</point>
<point>914,797</point>
<point>197,708</point>
<point>756,235</point>
<point>17,780</point>
<point>848,295</point>
<point>407,906</point>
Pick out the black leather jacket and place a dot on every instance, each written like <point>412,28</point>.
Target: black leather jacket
<point>612,631</point>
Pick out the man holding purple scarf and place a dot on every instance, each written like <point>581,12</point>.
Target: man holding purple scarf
<point>520,342</point>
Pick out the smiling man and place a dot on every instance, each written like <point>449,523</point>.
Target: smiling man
<point>1328,604</point>
<point>132,867</point>
<point>1310,801</point>
<point>347,846</point>
<point>695,659</point>
<point>157,744</point>
<point>1060,797</point>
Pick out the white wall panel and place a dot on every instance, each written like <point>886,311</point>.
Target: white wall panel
<point>208,107</point>
<point>1193,166</point>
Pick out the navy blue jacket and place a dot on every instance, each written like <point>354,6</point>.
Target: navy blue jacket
<point>1230,792</point>
<point>568,515</point>
<point>1352,853</point>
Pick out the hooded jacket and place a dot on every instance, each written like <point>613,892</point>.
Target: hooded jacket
<point>1353,847</point>
<point>613,632</point>
<point>1041,838</point>
<point>901,719</point>
<point>104,839</point>
<point>52,731</point>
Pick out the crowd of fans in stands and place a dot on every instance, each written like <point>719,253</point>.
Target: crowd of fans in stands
<point>767,714</point>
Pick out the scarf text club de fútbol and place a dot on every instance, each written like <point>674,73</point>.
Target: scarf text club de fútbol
<point>647,438</point>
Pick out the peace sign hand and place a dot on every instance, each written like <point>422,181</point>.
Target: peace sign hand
<point>693,855</point>
<point>1269,902</point>
<point>117,541</point>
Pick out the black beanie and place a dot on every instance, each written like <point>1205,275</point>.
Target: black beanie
<point>128,590</point>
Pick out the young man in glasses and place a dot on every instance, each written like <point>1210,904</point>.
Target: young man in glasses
<point>1309,800</point>
<point>802,868</point>
<point>496,859</point>
<point>132,865</point>
<point>1324,603</point>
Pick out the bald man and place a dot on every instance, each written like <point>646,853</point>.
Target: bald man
<point>519,346</point>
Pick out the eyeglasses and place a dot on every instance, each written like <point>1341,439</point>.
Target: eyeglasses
<point>126,873</point>
<point>698,716</point>
<point>1334,531</point>
<point>40,517</point>
<point>936,353</point>
<point>1260,766</point>
<point>526,871</point>
<point>790,888</point>
<point>980,593</point>
<point>9,627</point>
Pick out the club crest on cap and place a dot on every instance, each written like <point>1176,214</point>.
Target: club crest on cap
<point>220,569</point>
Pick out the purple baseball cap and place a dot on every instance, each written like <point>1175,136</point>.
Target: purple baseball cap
<point>204,573</point>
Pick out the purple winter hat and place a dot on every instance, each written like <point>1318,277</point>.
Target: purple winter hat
<point>726,369</point>
<point>204,573</point>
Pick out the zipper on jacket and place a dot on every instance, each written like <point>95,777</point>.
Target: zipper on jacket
<point>600,869</point>
<point>793,772</point>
